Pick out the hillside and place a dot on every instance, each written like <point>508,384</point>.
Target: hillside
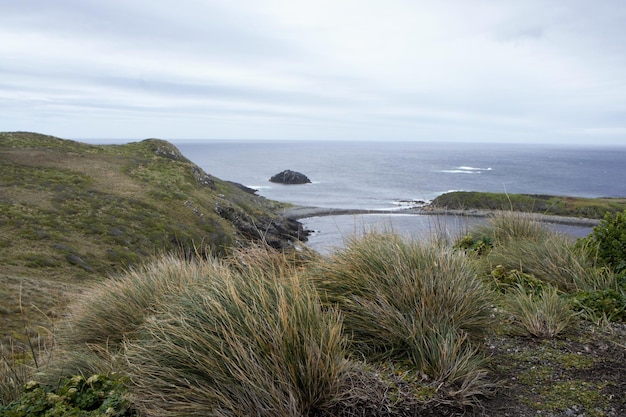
<point>73,213</point>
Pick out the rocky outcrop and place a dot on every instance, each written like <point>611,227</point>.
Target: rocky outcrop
<point>279,232</point>
<point>290,177</point>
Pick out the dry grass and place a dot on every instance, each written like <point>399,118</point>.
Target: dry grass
<point>114,309</point>
<point>240,345</point>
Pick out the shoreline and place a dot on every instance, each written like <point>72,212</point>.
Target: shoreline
<point>303,212</point>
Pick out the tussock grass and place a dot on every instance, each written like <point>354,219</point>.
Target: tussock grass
<point>553,260</point>
<point>507,226</point>
<point>545,314</point>
<point>265,261</point>
<point>113,311</point>
<point>406,300</point>
<point>240,345</point>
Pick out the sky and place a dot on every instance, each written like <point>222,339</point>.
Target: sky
<point>540,71</point>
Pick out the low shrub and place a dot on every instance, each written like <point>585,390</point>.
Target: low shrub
<point>607,242</point>
<point>475,245</point>
<point>98,395</point>
<point>240,345</point>
<point>602,305</point>
<point>505,280</point>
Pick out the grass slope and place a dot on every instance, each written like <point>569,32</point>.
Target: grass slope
<point>591,208</point>
<point>72,213</point>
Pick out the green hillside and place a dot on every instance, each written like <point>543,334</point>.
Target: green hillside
<point>73,213</point>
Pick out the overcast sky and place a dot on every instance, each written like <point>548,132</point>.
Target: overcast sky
<point>455,70</point>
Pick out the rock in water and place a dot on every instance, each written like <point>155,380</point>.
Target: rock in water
<point>290,177</point>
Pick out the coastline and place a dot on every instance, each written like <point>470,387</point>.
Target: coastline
<point>303,212</point>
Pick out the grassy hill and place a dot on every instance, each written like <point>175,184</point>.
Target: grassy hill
<point>591,208</point>
<point>72,213</point>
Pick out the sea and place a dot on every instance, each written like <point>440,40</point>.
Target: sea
<point>387,177</point>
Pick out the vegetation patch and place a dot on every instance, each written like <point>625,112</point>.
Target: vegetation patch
<point>96,395</point>
<point>591,208</point>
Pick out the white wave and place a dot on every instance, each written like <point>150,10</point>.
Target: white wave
<point>459,171</point>
<point>467,168</point>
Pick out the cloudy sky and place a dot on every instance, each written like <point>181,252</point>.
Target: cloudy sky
<point>452,70</point>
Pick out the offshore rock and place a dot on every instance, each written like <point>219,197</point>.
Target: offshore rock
<point>290,177</point>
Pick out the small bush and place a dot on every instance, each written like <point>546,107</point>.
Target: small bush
<point>601,305</point>
<point>240,346</point>
<point>505,280</point>
<point>475,245</point>
<point>607,242</point>
<point>541,315</point>
<point>98,395</point>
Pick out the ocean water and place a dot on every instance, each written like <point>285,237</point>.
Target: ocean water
<point>395,175</point>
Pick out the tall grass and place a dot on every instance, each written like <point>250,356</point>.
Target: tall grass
<point>407,300</point>
<point>91,336</point>
<point>240,345</point>
<point>115,308</point>
<point>507,226</point>
<point>553,260</point>
<point>18,363</point>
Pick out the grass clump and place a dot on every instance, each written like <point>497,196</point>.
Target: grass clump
<point>405,300</point>
<point>544,314</point>
<point>240,345</point>
<point>114,310</point>
<point>507,226</point>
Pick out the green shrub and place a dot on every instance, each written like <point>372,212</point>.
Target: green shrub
<point>607,242</point>
<point>475,245</point>
<point>505,280</point>
<point>98,395</point>
<point>608,305</point>
<point>403,300</point>
<point>240,346</point>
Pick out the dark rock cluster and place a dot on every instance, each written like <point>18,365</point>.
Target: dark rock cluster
<point>290,177</point>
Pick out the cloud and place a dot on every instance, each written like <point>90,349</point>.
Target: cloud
<point>491,70</point>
